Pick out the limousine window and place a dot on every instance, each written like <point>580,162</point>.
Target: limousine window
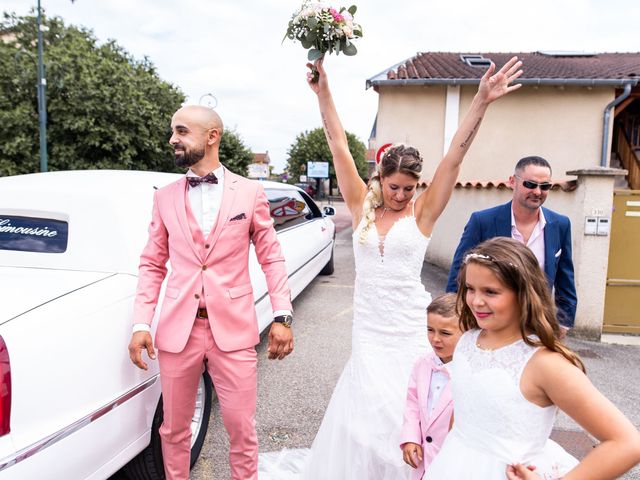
<point>288,208</point>
<point>33,234</point>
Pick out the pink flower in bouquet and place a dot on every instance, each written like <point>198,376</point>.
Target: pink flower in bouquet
<point>336,16</point>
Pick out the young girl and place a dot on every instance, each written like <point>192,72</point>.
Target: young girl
<point>510,376</point>
<point>428,410</point>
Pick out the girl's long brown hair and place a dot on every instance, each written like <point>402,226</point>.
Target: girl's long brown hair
<point>518,269</point>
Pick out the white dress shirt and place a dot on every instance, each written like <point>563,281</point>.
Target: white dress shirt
<point>205,200</point>
<point>439,380</point>
<point>536,240</point>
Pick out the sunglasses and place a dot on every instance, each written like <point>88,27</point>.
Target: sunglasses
<point>531,185</point>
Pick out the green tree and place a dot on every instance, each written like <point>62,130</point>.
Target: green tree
<point>105,109</point>
<point>311,146</point>
<point>234,154</point>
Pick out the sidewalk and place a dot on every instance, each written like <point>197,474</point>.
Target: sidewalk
<point>613,368</point>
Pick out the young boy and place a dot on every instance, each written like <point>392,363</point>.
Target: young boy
<point>429,406</point>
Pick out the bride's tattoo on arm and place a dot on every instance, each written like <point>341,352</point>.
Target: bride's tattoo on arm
<point>326,127</point>
<point>471,134</point>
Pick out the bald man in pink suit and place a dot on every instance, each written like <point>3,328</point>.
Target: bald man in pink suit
<point>203,224</point>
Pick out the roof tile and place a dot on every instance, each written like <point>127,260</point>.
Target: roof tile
<point>449,65</point>
<point>565,186</point>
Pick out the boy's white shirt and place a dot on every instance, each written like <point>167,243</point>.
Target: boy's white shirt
<point>439,380</point>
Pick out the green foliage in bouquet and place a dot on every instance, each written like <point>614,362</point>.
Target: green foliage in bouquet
<point>322,29</point>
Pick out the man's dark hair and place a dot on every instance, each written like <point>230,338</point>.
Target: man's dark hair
<point>532,160</point>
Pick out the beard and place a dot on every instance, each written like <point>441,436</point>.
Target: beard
<point>188,157</point>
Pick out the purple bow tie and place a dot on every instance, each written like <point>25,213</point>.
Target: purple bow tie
<point>195,181</point>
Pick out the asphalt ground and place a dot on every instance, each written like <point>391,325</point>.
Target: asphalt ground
<point>293,393</point>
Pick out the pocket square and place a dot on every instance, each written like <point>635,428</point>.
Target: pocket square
<point>242,216</point>
<point>558,253</point>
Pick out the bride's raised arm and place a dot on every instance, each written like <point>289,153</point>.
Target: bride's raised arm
<point>432,202</point>
<point>352,187</point>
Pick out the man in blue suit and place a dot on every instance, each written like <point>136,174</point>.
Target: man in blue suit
<point>545,232</point>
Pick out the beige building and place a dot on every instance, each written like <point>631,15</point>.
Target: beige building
<point>579,111</point>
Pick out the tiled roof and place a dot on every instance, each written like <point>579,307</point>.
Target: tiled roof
<point>565,186</point>
<point>558,67</point>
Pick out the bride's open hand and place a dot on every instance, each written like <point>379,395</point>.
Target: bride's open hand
<point>318,83</point>
<point>493,86</point>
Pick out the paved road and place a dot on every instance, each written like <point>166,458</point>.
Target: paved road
<point>293,394</point>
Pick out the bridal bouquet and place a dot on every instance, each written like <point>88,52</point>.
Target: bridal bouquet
<point>323,29</point>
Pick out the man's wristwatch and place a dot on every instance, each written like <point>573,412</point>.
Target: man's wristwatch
<point>285,320</point>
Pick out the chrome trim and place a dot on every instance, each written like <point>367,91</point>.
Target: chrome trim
<point>298,225</point>
<point>300,267</point>
<point>54,438</point>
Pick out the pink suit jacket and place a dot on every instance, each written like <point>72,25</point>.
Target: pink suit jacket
<point>418,427</point>
<point>218,268</point>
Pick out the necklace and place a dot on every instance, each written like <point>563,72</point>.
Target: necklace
<point>506,343</point>
<point>384,210</point>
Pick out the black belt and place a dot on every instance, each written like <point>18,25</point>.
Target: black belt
<point>202,313</point>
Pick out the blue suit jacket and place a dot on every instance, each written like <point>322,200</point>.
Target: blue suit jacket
<point>558,264</point>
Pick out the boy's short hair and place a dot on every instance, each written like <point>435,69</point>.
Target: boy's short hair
<point>444,305</point>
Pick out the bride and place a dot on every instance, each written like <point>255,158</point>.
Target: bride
<point>359,435</point>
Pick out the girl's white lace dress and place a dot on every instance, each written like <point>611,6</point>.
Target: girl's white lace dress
<point>360,434</point>
<point>494,424</point>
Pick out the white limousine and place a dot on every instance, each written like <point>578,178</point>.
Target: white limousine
<point>72,405</point>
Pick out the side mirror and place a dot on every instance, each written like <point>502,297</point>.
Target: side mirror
<point>329,211</point>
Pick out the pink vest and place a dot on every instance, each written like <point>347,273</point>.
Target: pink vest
<point>198,236</point>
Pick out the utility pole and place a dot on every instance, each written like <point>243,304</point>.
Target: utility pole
<point>42,98</point>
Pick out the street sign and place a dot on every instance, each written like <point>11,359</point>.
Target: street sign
<point>318,169</point>
<point>258,170</point>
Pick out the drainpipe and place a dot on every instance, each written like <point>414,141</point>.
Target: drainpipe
<point>607,116</point>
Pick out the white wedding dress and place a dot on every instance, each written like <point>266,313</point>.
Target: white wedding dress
<point>360,434</point>
<point>495,425</point>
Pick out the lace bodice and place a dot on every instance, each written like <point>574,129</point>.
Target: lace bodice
<point>399,253</point>
<point>490,409</point>
<point>389,299</point>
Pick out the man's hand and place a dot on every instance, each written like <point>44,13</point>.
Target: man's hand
<point>412,454</point>
<point>139,341</point>
<point>280,341</point>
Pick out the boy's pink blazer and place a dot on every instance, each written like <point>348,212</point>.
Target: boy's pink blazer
<point>418,427</point>
<point>219,268</point>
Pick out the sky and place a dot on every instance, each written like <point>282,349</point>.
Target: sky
<point>233,50</point>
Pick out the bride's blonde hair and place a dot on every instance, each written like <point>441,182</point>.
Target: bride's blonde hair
<point>396,159</point>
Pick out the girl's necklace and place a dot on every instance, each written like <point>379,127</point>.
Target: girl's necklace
<point>502,344</point>
<point>384,210</point>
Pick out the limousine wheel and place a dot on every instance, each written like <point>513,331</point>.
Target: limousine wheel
<point>148,464</point>
<point>329,267</point>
